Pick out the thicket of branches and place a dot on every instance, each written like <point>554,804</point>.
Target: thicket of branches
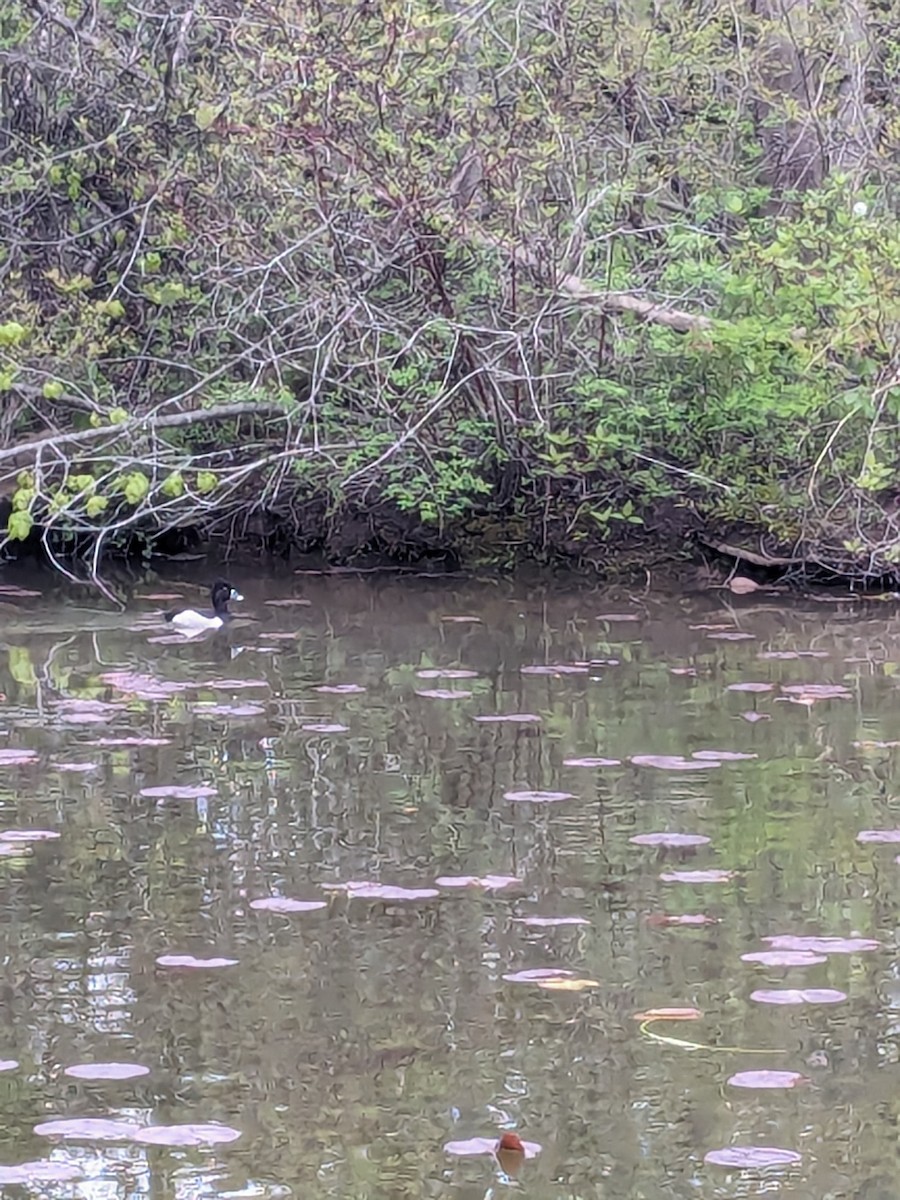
<point>549,268</point>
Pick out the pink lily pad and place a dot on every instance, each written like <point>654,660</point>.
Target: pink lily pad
<point>442,694</point>
<point>340,689</point>
<point>750,686</point>
<point>44,1170</point>
<point>283,904</point>
<point>161,596</point>
<point>487,883</point>
<point>189,962</point>
<point>752,717</point>
<point>325,727</point>
<point>14,850</point>
<point>884,836</point>
<point>537,797</point>
<point>29,835</point>
<point>367,890</point>
<point>187,1135</point>
<point>784,958</point>
<point>462,619</point>
<point>798,996</point>
<point>16,756</point>
<point>8,1064</point>
<point>617,617</point>
<point>592,762</point>
<point>484,1145</point>
<point>446,673</point>
<point>107,1071</point>
<point>673,840</point>
<point>538,974</point>
<point>509,719</point>
<point>235,685</point>
<point>550,922</point>
<point>687,672</point>
<point>817,691</point>
<point>767,1079</point>
<point>752,1158</point>
<point>713,875</point>
<point>88,1129</point>
<point>144,687</point>
<point>207,709</point>
<point>555,669</point>
<point>822,945</point>
<point>116,742</point>
<point>732,635</point>
<point>175,791</point>
<point>671,762</point>
<point>74,768</point>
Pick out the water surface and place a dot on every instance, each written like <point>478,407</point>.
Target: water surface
<point>344,1045</point>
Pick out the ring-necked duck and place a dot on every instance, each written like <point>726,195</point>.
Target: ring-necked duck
<point>193,620</point>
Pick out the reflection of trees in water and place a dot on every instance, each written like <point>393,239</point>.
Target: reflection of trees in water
<point>368,1025</point>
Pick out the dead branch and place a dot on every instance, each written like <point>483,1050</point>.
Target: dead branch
<point>196,416</point>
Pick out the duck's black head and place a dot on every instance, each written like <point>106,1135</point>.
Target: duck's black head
<point>221,592</point>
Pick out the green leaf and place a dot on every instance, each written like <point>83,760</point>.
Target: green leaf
<point>53,389</point>
<point>19,525</point>
<point>95,505</point>
<point>205,115</point>
<point>12,333</point>
<point>117,416</point>
<point>173,485</point>
<point>207,482</point>
<point>136,485</point>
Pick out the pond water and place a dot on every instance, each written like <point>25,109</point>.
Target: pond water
<point>172,1024</point>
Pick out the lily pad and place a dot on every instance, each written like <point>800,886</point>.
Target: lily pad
<point>190,962</point>
<point>672,762</point>
<point>443,694</point>
<point>107,1071</point>
<point>798,996</point>
<point>537,797</point>
<point>340,689</point>
<point>486,883</point>
<point>367,890</point>
<point>712,875</point>
<point>88,1129</point>
<point>590,762</point>
<point>43,1170</point>
<point>283,904</point>
<point>509,719</point>
<point>538,975</point>
<point>555,669</point>
<point>550,922</point>
<point>784,958</point>
<point>446,673</point>
<point>670,840</point>
<point>767,1079</point>
<point>822,945</point>
<point>325,727</point>
<point>175,791</point>
<point>187,1135</point>
<point>752,1158</point>
<point>484,1145</point>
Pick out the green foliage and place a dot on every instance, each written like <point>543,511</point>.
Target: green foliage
<point>384,234</point>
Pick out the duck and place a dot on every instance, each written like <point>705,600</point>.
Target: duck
<point>192,620</point>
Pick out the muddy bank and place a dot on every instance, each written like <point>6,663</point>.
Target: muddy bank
<point>665,540</point>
